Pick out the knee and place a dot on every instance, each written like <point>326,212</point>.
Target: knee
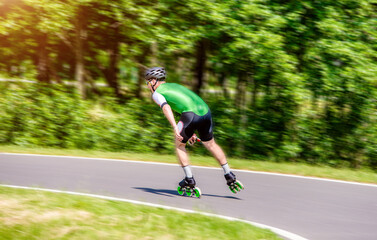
<point>180,145</point>
<point>210,144</point>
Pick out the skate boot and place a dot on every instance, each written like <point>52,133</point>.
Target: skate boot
<point>234,185</point>
<point>187,186</point>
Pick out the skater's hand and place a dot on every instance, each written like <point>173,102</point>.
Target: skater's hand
<point>178,135</point>
<point>193,139</point>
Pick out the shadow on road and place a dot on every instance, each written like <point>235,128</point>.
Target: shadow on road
<point>173,193</point>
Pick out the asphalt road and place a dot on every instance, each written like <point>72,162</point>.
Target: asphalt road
<point>311,208</point>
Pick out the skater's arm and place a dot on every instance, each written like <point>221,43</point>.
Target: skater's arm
<point>170,116</point>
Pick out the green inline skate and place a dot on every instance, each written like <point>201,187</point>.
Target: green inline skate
<point>234,185</point>
<point>187,187</point>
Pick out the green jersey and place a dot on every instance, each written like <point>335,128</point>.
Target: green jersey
<point>180,99</point>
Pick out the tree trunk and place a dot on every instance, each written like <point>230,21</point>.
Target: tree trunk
<point>81,36</point>
<point>222,81</point>
<point>112,71</point>
<point>54,75</point>
<point>181,68</point>
<point>140,81</point>
<point>141,59</point>
<point>254,93</point>
<point>201,59</point>
<point>240,98</point>
<point>42,61</point>
<point>240,103</point>
<point>154,54</point>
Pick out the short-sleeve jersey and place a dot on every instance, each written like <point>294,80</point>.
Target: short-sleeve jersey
<point>180,99</point>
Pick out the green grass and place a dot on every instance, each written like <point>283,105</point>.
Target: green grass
<point>31,214</point>
<point>359,175</point>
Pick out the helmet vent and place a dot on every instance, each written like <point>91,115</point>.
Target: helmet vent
<point>156,72</point>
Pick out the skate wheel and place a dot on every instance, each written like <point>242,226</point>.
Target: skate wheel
<point>232,189</point>
<point>197,192</point>
<point>189,192</point>
<point>240,185</point>
<point>180,190</point>
<point>236,187</point>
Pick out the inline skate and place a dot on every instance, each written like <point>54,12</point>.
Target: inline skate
<point>234,185</point>
<point>187,186</point>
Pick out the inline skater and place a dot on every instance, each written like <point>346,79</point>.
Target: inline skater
<point>195,116</point>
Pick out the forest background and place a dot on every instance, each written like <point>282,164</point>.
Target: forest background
<point>285,80</point>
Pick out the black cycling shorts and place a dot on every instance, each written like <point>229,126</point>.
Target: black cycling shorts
<point>190,122</point>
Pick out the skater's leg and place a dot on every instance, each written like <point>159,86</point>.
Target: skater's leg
<point>182,153</point>
<point>216,151</point>
<point>234,185</point>
<point>187,185</point>
<point>183,158</point>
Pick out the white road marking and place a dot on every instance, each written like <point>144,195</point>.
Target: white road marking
<point>278,231</point>
<point>213,168</point>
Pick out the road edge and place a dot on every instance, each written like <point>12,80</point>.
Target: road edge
<point>203,167</point>
<point>280,232</point>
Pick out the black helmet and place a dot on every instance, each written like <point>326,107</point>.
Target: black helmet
<point>156,72</point>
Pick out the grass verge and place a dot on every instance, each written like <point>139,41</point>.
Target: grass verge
<point>359,175</point>
<point>31,214</point>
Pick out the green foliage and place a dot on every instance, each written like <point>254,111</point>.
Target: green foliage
<point>57,117</point>
<point>298,77</point>
<point>38,115</point>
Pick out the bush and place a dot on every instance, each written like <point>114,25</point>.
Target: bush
<point>54,116</point>
<point>57,117</point>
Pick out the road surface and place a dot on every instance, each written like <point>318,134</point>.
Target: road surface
<point>311,208</point>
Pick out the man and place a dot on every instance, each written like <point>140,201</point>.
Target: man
<point>195,115</point>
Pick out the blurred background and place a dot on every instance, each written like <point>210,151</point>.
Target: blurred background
<point>288,81</point>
